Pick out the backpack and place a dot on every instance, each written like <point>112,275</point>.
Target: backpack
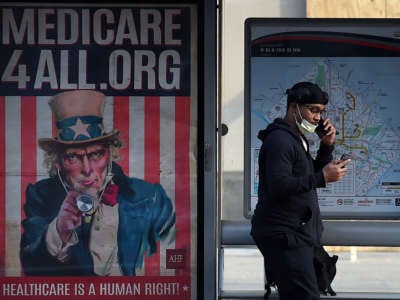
<point>325,269</point>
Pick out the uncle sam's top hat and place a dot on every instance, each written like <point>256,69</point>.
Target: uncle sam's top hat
<point>79,119</point>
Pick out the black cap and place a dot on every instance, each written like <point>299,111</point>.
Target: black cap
<point>306,93</point>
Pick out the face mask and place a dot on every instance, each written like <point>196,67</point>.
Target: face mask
<point>304,126</point>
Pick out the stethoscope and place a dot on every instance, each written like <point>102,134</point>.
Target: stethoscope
<point>86,202</point>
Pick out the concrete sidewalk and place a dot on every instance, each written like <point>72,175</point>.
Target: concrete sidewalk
<point>357,272</point>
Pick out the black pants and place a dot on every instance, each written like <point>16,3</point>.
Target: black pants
<point>289,264</point>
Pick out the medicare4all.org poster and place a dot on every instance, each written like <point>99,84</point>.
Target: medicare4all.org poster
<point>141,60</point>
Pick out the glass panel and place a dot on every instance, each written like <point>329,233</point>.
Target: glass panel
<point>359,269</point>
<point>242,269</point>
<point>234,14</point>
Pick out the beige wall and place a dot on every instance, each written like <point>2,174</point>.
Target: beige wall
<point>234,14</point>
<point>353,8</point>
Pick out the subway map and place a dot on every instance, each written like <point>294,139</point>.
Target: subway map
<point>364,107</point>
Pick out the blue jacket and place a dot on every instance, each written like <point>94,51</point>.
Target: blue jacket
<point>145,216</point>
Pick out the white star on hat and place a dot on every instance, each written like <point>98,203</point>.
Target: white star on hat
<point>80,128</point>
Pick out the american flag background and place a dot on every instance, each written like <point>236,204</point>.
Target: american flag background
<point>159,135</point>
<point>158,147</point>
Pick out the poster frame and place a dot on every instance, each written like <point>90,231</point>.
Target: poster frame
<point>384,28</point>
<point>195,88</point>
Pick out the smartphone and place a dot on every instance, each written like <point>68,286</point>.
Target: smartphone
<point>345,156</point>
<point>320,131</point>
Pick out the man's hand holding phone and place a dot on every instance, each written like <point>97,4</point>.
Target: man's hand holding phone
<point>326,131</point>
<point>320,130</point>
<point>344,160</point>
<point>345,156</point>
<point>336,169</point>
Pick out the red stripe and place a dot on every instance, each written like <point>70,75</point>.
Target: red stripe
<point>28,144</point>
<point>182,176</point>
<point>339,40</point>
<point>2,186</point>
<point>152,139</point>
<point>121,123</point>
<point>152,163</point>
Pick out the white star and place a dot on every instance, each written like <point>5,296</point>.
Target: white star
<point>80,129</point>
<point>185,288</point>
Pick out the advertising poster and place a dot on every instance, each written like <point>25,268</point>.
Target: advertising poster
<point>357,62</point>
<point>98,120</point>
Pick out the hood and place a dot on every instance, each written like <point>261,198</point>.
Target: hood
<point>277,124</point>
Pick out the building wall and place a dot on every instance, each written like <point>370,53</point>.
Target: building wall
<point>353,8</point>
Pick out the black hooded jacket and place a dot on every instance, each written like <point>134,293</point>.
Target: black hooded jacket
<point>288,178</point>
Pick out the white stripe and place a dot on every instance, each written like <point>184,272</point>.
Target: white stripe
<point>167,144</point>
<point>44,130</point>
<point>167,166</point>
<point>13,183</point>
<point>108,117</point>
<point>136,145</point>
<point>136,137</point>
